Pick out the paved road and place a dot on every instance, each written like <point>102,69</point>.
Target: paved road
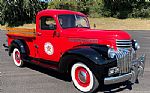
<point>34,79</point>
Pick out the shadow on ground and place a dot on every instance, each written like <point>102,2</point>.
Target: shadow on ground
<point>116,87</point>
<point>49,72</point>
<point>106,88</point>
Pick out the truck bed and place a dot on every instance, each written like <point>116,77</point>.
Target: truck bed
<point>21,32</point>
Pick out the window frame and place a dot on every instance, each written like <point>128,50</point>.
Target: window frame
<point>40,23</point>
<point>75,20</point>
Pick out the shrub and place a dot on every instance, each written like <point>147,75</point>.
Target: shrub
<point>95,8</point>
<point>141,10</point>
<point>18,12</point>
<point>1,7</point>
<point>118,8</point>
<point>57,4</point>
<point>89,7</point>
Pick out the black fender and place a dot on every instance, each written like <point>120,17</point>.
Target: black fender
<point>19,44</point>
<point>88,53</point>
<point>96,55</point>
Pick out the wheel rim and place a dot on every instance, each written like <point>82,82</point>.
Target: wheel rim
<point>82,76</point>
<point>17,57</point>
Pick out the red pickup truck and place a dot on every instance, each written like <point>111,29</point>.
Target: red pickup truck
<point>64,41</point>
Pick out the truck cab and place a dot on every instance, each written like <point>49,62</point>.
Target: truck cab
<point>64,41</point>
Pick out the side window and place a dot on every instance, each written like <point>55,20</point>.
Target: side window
<point>47,23</point>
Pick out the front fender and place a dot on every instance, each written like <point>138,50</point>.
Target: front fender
<point>88,53</point>
<point>93,58</point>
<point>93,53</point>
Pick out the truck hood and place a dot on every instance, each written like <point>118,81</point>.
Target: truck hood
<point>96,34</point>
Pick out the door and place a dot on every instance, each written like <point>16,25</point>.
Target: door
<point>48,46</point>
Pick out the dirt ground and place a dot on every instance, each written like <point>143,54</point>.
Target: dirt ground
<point>110,23</point>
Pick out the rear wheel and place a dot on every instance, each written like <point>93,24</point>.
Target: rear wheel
<point>17,58</point>
<point>83,78</point>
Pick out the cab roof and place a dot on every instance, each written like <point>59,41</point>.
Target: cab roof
<point>58,12</point>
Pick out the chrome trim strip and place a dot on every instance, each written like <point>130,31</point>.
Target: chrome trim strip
<point>124,45</point>
<point>123,40</point>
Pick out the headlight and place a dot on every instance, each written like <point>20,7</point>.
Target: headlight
<point>113,71</point>
<point>135,44</point>
<point>111,53</point>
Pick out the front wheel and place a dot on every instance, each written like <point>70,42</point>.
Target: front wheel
<point>17,58</point>
<point>83,78</point>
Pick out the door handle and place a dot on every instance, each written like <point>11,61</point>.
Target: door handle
<point>57,34</point>
<point>38,33</point>
<point>36,46</point>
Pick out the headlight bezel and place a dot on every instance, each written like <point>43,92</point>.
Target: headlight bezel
<point>111,53</point>
<point>135,45</point>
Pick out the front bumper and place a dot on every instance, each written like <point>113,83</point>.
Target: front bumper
<point>137,70</point>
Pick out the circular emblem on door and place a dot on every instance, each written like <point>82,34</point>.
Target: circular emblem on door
<point>48,47</point>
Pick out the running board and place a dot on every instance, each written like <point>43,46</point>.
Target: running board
<point>42,63</point>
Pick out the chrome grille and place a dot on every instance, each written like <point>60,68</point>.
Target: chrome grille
<point>123,60</point>
<point>123,43</point>
<point>125,54</point>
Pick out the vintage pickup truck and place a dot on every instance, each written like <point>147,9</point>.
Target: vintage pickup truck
<point>64,41</point>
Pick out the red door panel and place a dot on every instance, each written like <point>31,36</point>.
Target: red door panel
<point>48,44</point>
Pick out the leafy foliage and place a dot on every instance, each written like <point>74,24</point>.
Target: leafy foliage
<point>17,12</point>
<point>107,8</point>
<point>141,10</point>
<point>90,7</point>
<point>127,8</point>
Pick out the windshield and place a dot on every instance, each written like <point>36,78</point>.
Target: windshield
<point>73,21</point>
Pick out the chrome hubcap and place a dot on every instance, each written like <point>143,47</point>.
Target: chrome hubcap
<point>82,76</point>
<point>17,57</point>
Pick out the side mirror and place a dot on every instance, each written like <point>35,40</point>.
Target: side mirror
<point>94,25</point>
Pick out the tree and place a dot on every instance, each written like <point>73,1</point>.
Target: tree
<point>18,12</point>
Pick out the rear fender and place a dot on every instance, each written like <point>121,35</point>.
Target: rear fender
<point>19,44</point>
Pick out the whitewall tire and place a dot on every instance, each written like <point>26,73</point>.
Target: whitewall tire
<point>83,78</point>
<point>17,57</point>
